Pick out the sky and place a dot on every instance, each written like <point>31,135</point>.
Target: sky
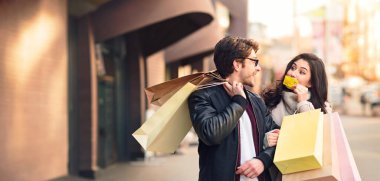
<point>278,14</point>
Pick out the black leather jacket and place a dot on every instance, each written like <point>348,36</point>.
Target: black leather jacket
<point>215,117</point>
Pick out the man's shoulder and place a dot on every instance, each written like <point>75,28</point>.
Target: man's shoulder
<point>215,96</point>
<point>207,91</point>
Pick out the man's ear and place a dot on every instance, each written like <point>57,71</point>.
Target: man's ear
<point>237,65</point>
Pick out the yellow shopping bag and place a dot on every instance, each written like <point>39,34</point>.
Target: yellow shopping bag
<point>300,143</point>
<point>166,128</point>
<point>330,169</point>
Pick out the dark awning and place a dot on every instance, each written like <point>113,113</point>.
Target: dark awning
<point>159,23</point>
<point>200,43</point>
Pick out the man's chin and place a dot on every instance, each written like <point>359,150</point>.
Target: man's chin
<point>250,81</point>
<point>250,84</point>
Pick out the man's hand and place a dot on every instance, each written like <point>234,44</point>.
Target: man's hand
<point>234,88</point>
<point>272,137</point>
<point>251,168</point>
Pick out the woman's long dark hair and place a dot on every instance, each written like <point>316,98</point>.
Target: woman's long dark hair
<point>273,95</point>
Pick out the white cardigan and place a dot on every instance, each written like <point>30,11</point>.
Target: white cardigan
<point>290,99</point>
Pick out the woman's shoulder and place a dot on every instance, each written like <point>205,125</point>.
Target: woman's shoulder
<point>328,107</point>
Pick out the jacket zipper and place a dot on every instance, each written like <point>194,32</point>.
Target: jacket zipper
<point>258,132</point>
<point>257,126</point>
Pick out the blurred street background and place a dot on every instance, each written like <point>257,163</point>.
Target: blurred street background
<point>73,74</point>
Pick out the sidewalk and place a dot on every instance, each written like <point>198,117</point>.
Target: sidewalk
<point>175,167</point>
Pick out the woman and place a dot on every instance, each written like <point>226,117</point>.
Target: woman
<point>310,93</point>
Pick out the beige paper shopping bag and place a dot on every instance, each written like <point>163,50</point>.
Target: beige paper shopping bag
<point>330,168</point>
<point>166,128</point>
<point>300,143</point>
<point>160,93</point>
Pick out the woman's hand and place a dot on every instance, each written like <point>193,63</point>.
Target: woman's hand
<point>272,137</point>
<point>302,93</point>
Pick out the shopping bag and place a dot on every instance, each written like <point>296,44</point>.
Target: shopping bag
<point>347,166</point>
<point>165,129</point>
<point>300,143</point>
<point>330,168</point>
<point>160,93</point>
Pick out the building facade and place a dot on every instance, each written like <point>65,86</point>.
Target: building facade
<point>72,78</point>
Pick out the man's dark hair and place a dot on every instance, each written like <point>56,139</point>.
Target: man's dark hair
<point>230,48</point>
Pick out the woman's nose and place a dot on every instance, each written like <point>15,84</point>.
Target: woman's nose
<point>293,74</point>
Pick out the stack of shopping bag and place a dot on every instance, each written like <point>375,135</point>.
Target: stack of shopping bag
<point>313,146</point>
<point>166,128</point>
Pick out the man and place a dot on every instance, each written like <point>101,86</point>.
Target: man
<point>231,121</point>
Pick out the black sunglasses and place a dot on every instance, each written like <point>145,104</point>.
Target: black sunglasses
<point>252,59</point>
